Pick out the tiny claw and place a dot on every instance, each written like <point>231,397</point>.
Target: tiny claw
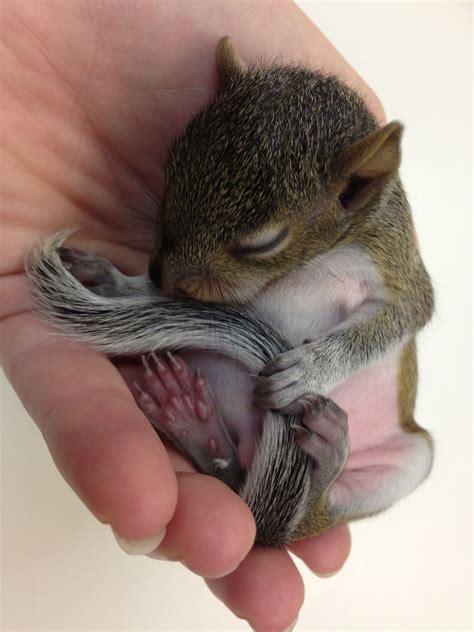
<point>146,366</point>
<point>315,403</point>
<point>200,385</point>
<point>199,379</point>
<point>146,402</point>
<point>173,361</point>
<point>158,363</point>
<point>301,431</point>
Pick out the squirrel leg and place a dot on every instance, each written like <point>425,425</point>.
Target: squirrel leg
<point>323,435</point>
<point>370,481</point>
<point>178,403</point>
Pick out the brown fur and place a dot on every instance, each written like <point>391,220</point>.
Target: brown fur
<point>286,146</point>
<point>247,167</point>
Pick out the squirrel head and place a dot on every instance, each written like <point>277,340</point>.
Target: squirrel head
<point>273,173</point>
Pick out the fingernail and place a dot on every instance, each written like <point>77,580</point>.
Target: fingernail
<point>325,575</point>
<point>140,547</point>
<point>146,366</point>
<point>156,555</point>
<point>290,628</point>
<point>214,575</point>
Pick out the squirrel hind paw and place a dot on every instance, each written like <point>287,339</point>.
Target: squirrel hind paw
<point>179,403</point>
<point>324,436</point>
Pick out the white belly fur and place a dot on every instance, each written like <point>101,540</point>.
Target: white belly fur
<point>310,302</point>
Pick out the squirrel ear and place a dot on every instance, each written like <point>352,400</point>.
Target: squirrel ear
<point>362,168</point>
<point>229,63</point>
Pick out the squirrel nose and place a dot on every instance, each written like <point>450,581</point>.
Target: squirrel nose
<point>189,287</point>
<point>181,292</point>
<point>181,286</point>
<point>200,287</point>
<point>197,285</point>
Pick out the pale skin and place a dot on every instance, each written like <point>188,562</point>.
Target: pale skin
<point>92,95</point>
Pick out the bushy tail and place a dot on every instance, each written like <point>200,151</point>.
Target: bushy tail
<point>144,322</point>
<point>128,325</point>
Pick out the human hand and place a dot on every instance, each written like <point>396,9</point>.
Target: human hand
<point>92,95</point>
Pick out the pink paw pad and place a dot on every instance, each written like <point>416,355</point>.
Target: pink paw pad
<point>179,403</point>
<point>177,396</point>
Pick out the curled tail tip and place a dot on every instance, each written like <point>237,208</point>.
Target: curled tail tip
<point>54,240</point>
<point>46,250</point>
<point>46,272</point>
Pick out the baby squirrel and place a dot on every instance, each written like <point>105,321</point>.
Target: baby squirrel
<point>286,273</point>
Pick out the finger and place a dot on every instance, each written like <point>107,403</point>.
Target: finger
<point>266,590</point>
<point>212,529</point>
<point>324,554</point>
<point>99,439</point>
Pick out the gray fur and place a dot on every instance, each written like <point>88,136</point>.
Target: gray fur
<point>263,151</point>
<point>270,149</point>
<point>129,325</point>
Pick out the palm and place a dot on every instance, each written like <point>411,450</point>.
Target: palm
<point>90,111</point>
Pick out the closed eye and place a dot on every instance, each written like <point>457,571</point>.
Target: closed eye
<point>264,244</point>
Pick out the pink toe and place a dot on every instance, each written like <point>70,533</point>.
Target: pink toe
<point>146,403</point>
<point>166,375</point>
<point>181,371</point>
<point>200,385</point>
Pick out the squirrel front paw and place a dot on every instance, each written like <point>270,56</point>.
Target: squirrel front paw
<point>287,378</point>
<point>96,273</point>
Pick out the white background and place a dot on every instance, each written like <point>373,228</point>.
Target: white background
<point>410,568</point>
